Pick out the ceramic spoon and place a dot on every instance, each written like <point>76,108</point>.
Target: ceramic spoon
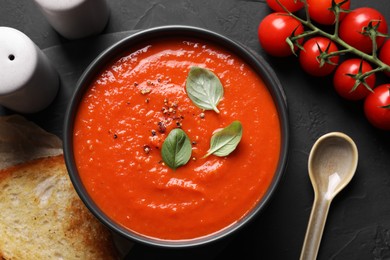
<point>332,164</point>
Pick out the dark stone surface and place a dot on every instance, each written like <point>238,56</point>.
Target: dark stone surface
<point>358,224</point>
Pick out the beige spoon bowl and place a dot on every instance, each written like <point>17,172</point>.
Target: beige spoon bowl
<point>332,164</point>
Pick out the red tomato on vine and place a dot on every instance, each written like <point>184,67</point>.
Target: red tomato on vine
<point>311,57</point>
<point>356,24</point>
<point>320,13</point>
<point>346,81</point>
<point>291,5</point>
<point>377,107</point>
<point>273,31</point>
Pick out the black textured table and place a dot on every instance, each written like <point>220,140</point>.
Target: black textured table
<point>358,224</point>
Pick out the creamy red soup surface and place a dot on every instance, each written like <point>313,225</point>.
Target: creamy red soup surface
<point>128,111</point>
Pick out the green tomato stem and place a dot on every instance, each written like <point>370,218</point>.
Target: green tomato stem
<point>308,19</point>
<point>374,45</point>
<point>369,73</point>
<point>337,25</point>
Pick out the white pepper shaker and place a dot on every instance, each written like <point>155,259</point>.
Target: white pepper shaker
<point>28,81</point>
<point>75,19</point>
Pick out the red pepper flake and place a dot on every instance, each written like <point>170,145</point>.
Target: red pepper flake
<point>164,110</point>
<point>115,136</point>
<point>149,83</point>
<point>161,127</point>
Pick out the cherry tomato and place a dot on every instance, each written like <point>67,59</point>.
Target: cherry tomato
<point>291,5</point>
<point>344,83</point>
<point>273,31</point>
<point>320,13</point>
<point>377,107</point>
<point>353,26</point>
<point>309,58</point>
<point>384,54</point>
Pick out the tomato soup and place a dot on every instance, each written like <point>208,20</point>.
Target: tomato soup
<point>131,107</point>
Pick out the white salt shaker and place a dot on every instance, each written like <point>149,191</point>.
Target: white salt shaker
<point>75,19</point>
<point>28,81</point>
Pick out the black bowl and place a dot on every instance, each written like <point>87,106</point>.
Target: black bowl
<point>256,62</point>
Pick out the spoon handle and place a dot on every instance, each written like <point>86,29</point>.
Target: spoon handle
<point>315,228</point>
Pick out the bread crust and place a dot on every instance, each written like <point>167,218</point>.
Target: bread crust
<point>42,217</point>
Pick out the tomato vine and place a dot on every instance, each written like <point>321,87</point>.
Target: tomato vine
<point>360,33</point>
<point>315,30</point>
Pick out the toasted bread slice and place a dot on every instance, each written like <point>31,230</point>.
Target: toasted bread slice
<point>42,217</point>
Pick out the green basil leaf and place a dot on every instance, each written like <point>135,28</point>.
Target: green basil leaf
<point>176,149</point>
<point>204,88</point>
<point>225,141</point>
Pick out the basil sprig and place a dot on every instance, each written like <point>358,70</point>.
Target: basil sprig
<point>176,149</point>
<point>204,88</point>
<point>225,141</point>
